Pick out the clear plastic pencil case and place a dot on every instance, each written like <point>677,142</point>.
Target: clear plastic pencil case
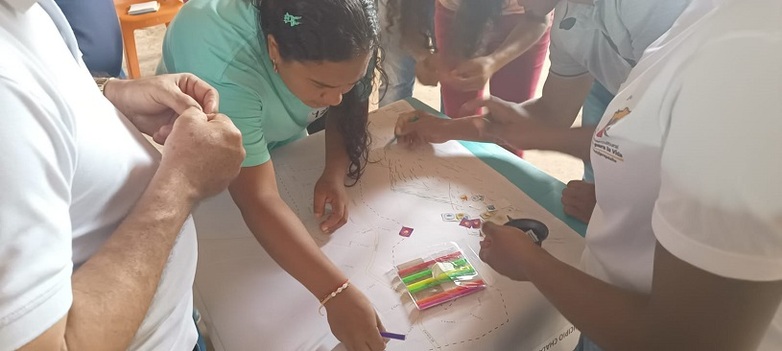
<point>443,274</point>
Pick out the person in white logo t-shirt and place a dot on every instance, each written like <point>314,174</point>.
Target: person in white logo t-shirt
<point>594,45</point>
<point>97,251</point>
<point>684,250</point>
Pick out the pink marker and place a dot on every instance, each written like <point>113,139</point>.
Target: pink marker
<point>449,295</point>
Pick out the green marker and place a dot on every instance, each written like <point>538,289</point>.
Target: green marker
<point>442,278</point>
<point>428,272</point>
<point>411,120</point>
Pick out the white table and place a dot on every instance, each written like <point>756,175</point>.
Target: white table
<point>250,303</point>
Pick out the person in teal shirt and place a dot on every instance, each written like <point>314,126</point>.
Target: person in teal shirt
<point>279,65</point>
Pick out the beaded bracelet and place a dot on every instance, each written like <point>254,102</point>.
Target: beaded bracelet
<point>331,296</point>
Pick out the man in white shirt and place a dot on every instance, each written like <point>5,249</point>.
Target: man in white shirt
<point>684,250</point>
<point>97,250</point>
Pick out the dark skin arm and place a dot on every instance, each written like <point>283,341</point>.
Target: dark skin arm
<point>687,308</point>
<point>561,99</point>
<point>505,124</point>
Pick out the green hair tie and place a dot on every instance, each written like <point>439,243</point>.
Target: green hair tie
<point>292,20</point>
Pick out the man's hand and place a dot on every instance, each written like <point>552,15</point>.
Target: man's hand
<point>354,322</point>
<point>204,151</point>
<point>472,74</point>
<point>579,200</point>
<point>153,103</point>
<point>502,248</point>
<point>331,190</point>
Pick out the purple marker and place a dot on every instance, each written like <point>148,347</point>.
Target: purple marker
<point>392,335</point>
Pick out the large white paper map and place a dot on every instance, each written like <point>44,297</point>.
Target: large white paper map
<point>252,304</point>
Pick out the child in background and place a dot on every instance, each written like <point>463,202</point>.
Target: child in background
<point>473,43</point>
<point>594,45</point>
<point>498,42</point>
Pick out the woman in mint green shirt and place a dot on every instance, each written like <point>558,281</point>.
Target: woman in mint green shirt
<point>278,65</point>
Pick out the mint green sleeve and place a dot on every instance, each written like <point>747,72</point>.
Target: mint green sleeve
<point>239,98</point>
<point>245,109</point>
<point>213,46</point>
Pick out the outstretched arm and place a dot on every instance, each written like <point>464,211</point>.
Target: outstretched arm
<point>352,318</point>
<point>687,308</point>
<point>561,99</point>
<point>539,124</point>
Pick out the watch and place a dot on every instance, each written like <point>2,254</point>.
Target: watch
<point>101,82</point>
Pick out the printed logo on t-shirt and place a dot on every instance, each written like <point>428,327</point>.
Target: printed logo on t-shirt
<point>605,148</point>
<point>316,113</point>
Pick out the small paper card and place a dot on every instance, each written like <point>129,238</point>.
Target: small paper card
<point>144,7</point>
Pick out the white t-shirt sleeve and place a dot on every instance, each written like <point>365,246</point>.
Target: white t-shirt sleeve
<point>646,21</point>
<point>38,161</point>
<point>720,201</point>
<point>562,63</point>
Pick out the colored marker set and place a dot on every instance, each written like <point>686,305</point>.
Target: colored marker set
<point>440,277</point>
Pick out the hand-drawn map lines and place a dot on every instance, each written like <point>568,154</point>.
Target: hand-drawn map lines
<point>396,173</point>
<point>485,334</point>
<point>428,178</point>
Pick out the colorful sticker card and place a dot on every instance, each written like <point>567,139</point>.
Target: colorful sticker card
<point>449,217</point>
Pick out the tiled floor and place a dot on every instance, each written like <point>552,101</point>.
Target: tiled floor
<point>562,167</point>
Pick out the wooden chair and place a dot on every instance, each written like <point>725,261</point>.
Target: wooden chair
<point>129,24</point>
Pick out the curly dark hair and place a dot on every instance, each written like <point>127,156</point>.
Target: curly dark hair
<point>335,31</point>
<point>413,18</point>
